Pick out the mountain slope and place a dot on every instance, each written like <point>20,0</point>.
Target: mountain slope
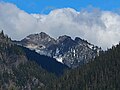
<point>16,71</point>
<point>71,52</point>
<point>101,74</point>
<point>47,63</point>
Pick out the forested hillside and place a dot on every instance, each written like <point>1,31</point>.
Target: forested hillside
<point>50,64</point>
<point>23,69</point>
<point>16,71</point>
<point>101,74</point>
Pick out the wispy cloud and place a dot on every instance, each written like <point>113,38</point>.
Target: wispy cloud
<point>101,28</point>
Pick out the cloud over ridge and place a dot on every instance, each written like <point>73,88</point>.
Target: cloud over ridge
<point>101,28</point>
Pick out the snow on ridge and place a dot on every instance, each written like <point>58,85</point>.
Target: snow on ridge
<point>59,59</point>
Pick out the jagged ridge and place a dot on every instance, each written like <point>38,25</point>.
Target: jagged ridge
<point>71,52</point>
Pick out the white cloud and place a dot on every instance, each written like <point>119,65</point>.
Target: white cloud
<point>16,22</point>
<point>101,28</point>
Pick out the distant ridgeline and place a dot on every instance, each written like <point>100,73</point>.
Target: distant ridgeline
<point>72,53</point>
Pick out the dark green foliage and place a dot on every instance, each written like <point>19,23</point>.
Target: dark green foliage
<point>47,63</point>
<point>101,74</point>
<point>31,75</point>
<point>17,50</point>
<point>17,72</point>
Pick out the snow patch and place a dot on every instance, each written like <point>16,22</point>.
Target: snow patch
<point>59,59</point>
<point>74,52</point>
<point>90,46</point>
<point>42,52</point>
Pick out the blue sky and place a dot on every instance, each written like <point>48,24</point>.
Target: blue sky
<point>44,6</point>
<point>96,27</point>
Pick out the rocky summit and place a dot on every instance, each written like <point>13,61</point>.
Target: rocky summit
<point>64,49</point>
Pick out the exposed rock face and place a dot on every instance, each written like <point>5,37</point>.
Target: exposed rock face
<point>66,50</point>
<point>41,40</point>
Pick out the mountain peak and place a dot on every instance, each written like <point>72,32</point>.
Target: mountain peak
<point>38,41</point>
<point>77,39</point>
<point>37,37</point>
<point>64,37</point>
<point>70,52</point>
<point>43,35</point>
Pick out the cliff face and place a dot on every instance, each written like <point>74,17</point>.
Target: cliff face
<point>64,49</point>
